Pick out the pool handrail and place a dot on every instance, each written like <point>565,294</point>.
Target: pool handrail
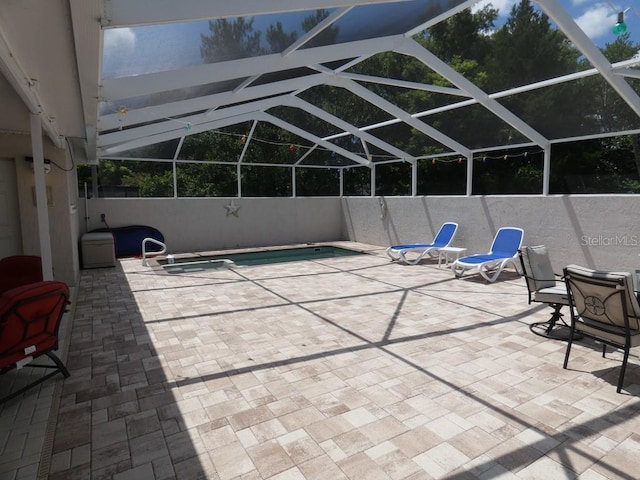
<point>226,262</point>
<point>145,253</point>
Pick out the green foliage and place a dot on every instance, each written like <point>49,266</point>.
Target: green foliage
<point>230,40</point>
<point>393,179</point>
<point>357,182</point>
<point>442,177</point>
<point>317,182</point>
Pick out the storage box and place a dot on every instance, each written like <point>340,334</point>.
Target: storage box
<point>98,250</point>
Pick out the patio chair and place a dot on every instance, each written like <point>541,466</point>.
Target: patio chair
<point>442,239</point>
<point>503,251</point>
<point>29,321</point>
<point>603,307</point>
<point>18,270</point>
<point>542,286</point>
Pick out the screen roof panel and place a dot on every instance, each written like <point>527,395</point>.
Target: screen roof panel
<point>370,70</point>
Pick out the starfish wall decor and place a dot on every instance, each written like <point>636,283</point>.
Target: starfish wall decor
<point>232,209</point>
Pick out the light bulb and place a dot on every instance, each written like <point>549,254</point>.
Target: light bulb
<point>620,27</point>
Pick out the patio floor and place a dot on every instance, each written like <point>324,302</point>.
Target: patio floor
<point>340,368</point>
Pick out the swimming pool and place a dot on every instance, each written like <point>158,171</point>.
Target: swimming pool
<point>263,257</point>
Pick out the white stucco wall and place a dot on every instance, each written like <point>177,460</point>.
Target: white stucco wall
<point>197,224</point>
<point>590,230</point>
<point>63,216</point>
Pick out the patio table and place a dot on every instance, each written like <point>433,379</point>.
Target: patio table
<point>444,252</point>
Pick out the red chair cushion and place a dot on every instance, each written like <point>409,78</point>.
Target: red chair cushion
<point>29,320</point>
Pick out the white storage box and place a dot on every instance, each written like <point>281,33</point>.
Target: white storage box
<point>98,250</point>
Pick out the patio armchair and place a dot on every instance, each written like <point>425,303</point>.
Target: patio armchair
<point>29,322</point>
<point>18,270</point>
<point>603,307</point>
<point>545,286</point>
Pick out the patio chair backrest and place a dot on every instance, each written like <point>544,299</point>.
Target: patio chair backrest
<point>445,234</point>
<point>17,270</point>
<point>29,320</point>
<point>536,265</point>
<point>507,242</point>
<point>603,298</point>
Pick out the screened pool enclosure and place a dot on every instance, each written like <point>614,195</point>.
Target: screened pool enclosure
<point>354,97</point>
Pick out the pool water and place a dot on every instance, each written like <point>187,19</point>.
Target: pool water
<point>264,257</point>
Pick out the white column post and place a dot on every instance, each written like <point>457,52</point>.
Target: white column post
<point>373,179</point>
<point>469,174</point>
<point>414,178</point>
<point>41,197</point>
<point>546,170</point>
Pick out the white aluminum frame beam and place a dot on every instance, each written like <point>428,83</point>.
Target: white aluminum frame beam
<point>197,122</point>
<point>405,84</point>
<point>313,138</point>
<point>414,49</point>
<point>397,112</point>
<point>115,89</point>
<point>162,136</point>
<point>27,89</point>
<point>353,130</point>
<point>88,48</point>
<point>126,13</point>
<point>209,102</point>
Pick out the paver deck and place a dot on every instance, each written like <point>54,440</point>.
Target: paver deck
<point>339,368</point>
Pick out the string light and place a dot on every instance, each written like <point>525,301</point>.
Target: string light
<point>354,139</point>
<point>620,27</point>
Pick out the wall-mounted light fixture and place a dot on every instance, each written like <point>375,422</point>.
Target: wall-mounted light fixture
<point>47,164</point>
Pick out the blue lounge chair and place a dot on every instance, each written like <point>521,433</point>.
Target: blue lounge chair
<point>504,250</point>
<point>443,239</point>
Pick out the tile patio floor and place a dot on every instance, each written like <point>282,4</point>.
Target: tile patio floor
<point>343,368</point>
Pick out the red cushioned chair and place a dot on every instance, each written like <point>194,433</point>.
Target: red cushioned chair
<point>29,321</point>
<point>19,270</point>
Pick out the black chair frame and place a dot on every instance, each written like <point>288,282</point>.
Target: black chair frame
<point>615,292</point>
<point>555,328</point>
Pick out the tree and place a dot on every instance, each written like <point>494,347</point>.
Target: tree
<point>615,113</point>
<point>328,36</point>
<point>230,40</point>
<point>278,39</point>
